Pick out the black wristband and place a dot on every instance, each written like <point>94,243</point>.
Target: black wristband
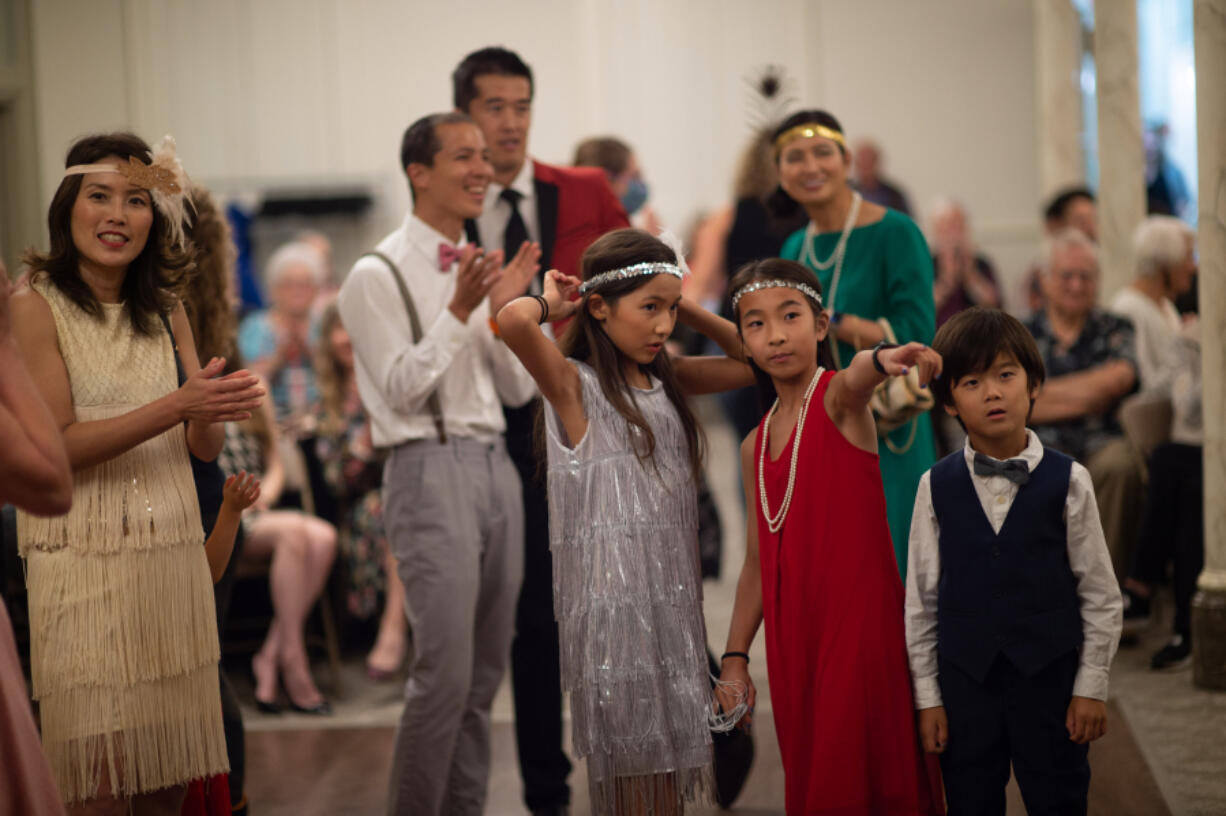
<point>877,363</point>
<point>727,655</point>
<point>544,304</point>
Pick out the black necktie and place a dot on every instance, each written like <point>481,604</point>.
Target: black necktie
<point>1015,470</point>
<point>517,231</point>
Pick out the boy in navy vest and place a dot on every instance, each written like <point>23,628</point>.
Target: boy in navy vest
<point>1013,612</point>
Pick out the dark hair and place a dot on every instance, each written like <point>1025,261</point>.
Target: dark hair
<point>420,142</point>
<point>970,341</point>
<point>585,339</point>
<point>154,277</point>
<point>1057,208</point>
<point>778,269</point>
<point>780,204</point>
<point>606,152</point>
<point>493,60</point>
<point>209,311</point>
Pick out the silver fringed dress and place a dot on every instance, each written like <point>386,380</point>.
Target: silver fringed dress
<point>628,600</point>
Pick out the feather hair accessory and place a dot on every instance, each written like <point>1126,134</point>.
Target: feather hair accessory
<point>163,177</point>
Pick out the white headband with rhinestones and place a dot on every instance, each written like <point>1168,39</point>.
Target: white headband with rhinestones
<point>632,271</point>
<point>775,284</point>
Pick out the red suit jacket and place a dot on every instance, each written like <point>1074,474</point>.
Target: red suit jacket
<point>575,206</point>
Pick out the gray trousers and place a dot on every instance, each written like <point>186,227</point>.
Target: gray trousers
<point>454,519</point>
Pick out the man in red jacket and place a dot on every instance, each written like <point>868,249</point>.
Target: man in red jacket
<point>564,209</point>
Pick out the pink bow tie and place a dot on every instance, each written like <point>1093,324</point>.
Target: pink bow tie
<point>447,255</point>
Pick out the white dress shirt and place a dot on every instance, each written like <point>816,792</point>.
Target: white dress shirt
<point>1097,589</point>
<point>492,223</point>
<point>473,371</point>
<point>1156,326</point>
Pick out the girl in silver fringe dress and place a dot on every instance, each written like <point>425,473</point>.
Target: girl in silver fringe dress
<point>624,455</point>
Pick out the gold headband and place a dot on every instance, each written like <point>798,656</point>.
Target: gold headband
<point>146,176</point>
<point>808,131</point>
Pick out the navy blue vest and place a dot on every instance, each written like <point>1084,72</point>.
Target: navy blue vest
<point>1013,592</point>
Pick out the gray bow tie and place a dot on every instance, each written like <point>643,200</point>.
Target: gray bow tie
<point>1015,470</point>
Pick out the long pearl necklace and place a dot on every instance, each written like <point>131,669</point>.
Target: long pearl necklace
<point>775,523</point>
<point>809,255</point>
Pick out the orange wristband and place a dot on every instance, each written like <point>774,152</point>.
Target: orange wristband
<point>494,328</point>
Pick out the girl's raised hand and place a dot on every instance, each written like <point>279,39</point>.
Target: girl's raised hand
<point>562,293</point>
<point>241,491</point>
<point>899,360</point>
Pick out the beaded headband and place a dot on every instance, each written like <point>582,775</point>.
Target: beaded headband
<point>776,283</point>
<point>808,131</point>
<point>163,177</point>
<point>632,271</point>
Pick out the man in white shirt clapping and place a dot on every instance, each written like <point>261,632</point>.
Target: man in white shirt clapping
<point>452,505</point>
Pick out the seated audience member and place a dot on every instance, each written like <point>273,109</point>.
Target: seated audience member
<point>353,469</point>
<point>625,177</point>
<point>963,276</point>
<point>1172,525</point>
<point>1164,249</point>
<point>1071,207</point>
<point>278,341</point>
<point>867,162</point>
<point>1091,365</point>
<point>300,549</point>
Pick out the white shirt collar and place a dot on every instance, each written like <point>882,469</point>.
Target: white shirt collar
<point>426,238</point>
<point>522,183</point>
<point>1031,455</point>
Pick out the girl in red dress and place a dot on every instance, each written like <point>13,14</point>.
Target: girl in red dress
<point>819,565</point>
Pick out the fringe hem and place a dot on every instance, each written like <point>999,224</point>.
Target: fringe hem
<point>137,739</point>
<point>659,793</point>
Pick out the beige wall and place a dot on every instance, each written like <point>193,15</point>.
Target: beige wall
<point>266,93</point>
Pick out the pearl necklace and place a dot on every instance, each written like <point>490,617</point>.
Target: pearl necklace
<point>775,524</point>
<point>809,255</point>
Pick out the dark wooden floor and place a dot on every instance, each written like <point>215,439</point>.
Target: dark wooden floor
<point>345,771</point>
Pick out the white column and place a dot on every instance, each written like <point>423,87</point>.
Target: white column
<point>1209,606</point>
<point>1121,154</point>
<point>1057,51</point>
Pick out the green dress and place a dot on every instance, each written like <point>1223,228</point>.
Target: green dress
<point>887,272</point>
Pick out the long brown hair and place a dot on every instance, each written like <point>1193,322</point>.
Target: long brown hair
<point>778,269</point>
<point>585,339</point>
<point>206,295</point>
<point>331,378</point>
<point>154,277</point>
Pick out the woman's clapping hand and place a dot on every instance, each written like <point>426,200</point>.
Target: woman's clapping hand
<point>208,397</point>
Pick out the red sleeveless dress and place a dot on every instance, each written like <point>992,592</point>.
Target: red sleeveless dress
<point>835,648</point>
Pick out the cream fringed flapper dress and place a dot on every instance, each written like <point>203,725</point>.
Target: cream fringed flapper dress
<point>123,634</point>
<point>628,599</point>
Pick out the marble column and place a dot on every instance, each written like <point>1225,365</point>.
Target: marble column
<point>1121,154</point>
<point>1057,53</point>
<point>1209,605</point>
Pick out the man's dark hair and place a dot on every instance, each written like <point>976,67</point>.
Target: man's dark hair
<point>1057,208</point>
<point>492,60</point>
<point>969,341</point>
<point>420,143</point>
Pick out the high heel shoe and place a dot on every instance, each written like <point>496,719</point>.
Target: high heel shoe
<point>321,709</point>
<point>268,708</point>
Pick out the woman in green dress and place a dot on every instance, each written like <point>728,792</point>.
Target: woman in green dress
<point>872,263</point>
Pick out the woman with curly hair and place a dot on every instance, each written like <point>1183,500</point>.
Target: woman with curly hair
<point>123,643</point>
<point>209,301</point>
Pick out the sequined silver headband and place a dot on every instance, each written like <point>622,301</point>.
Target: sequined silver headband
<point>776,283</point>
<point>632,271</point>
